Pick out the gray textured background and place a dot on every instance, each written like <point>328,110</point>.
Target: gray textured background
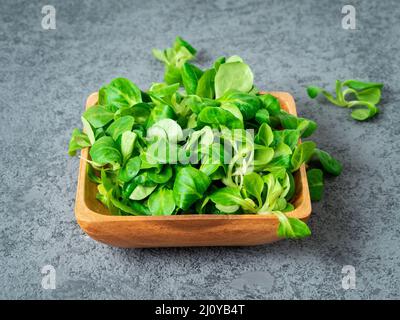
<point>47,75</point>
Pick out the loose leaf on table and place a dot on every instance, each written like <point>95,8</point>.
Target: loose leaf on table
<point>315,179</point>
<point>372,95</point>
<point>362,85</point>
<point>363,111</point>
<point>328,163</point>
<point>361,114</point>
<point>366,94</point>
<point>365,91</point>
<point>314,91</point>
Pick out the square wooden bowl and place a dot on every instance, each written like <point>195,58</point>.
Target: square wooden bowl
<point>182,230</point>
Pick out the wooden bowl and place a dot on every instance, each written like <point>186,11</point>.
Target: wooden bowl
<point>182,230</point>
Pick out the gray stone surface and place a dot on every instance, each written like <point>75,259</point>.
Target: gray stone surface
<point>46,76</point>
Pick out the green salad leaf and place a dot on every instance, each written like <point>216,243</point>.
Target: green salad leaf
<point>120,93</point>
<point>315,179</point>
<point>234,75</point>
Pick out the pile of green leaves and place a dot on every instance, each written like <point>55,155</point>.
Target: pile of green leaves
<point>364,97</point>
<point>128,129</point>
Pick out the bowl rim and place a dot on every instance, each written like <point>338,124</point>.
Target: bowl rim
<point>84,214</point>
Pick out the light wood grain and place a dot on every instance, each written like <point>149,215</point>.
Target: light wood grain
<point>182,230</point>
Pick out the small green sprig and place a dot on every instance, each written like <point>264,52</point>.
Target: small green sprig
<point>366,95</point>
